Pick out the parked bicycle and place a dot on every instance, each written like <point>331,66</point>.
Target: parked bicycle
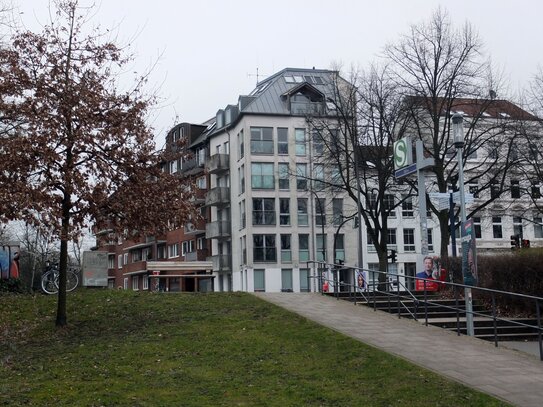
<point>49,279</point>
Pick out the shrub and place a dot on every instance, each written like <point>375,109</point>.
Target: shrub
<point>12,285</point>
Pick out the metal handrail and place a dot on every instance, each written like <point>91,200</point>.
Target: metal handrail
<point>416,300</point>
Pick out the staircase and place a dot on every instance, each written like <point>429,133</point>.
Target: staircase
<point>448,314</point>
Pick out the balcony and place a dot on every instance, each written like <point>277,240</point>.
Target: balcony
<point>221,262</point>
<point>218,230</point>
<point>218,163</point>
<point>219,196</point>
<point>192,167</point>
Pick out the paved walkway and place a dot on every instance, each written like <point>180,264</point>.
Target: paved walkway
<point>507,374</point>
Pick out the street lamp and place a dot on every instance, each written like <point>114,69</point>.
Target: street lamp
<point>458,132</point>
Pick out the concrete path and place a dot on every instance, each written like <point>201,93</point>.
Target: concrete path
<point>504,373</point>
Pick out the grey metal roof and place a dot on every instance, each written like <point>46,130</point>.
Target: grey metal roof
<point>269,100</point>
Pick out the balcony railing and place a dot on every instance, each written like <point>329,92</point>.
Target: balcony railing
<point>221,262</point>
<point>218,196</point>
<point>218,163</point>
<point>218,230</point>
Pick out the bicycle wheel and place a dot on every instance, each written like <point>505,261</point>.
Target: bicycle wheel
<point>48,284</point>
<point>71,280</point>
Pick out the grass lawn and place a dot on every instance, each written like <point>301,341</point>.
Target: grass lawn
<point>124,348</point>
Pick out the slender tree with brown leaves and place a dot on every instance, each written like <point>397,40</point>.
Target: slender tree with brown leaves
<point>73,146</point>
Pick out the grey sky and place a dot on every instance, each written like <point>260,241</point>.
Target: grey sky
<point>208,48</point>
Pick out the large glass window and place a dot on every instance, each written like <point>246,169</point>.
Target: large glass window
<point>303,218</point>
<point>242,214</point>
<point>497,227</point>
<point>321,247</point>
<point>407,206</point>
<point>299,135</point>
<point>389,204</point>
<point>318,176</point>
<point>241,151</point>
<point>284,211</point>
<point>538,227</point>
<point>515,189</point>
<point>318,143</point>
<point>259,280</point>
<point>282,140</point>
<point>430,240</point>
<point>301,177</point>
<point>286,251</point>
<point>284,182</point>
<point>517,226</point>
<point>264,248</point>
<point>320,211</point>
<point>286,280</point>
<point>409,240</point>
<point>261,140</point>
<point>242,179</point>
<point>303,249</point>
<point>263,211</point>
<point>304,280</point>
<point>477,226</point>
<point>340,247</point>
<point>391,238</point>
<point>337,207</point>
<point>262,176</point>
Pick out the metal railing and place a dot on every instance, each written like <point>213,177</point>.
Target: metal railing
<point>374,288</point>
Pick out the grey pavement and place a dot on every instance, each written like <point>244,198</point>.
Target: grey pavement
<point>508,374</point>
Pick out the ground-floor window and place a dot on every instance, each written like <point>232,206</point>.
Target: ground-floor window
<point>304,280</point>
<point>135,283</point>
<point>286,280</point>
<point>259,280</point>
<point>145,283</point>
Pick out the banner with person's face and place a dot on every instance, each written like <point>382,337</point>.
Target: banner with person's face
<point>469,245</point>
<point>361,280</point>
<point>9,262</point>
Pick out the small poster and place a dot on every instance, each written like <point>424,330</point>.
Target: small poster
<point>361,281</point>
<point>9,261</point>
<point>469,259</point>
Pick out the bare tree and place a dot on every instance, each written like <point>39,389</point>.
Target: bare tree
<point>440,69</point>
<point>74,146</point>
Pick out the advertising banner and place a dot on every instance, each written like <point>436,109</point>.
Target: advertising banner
<point>9,261</point>
<point>469,253</point>
<point>361,281</point>
<point>95,269</point>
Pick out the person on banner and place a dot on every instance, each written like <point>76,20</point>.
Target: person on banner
<point>360,281</point>
<point>431,272</point>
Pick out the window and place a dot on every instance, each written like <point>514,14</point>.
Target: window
<point>477,226</point>
<point>284,211</point>
<point>243,253</point>
<point>303,247</point>
<point>120,261</point>
<point>318,143</point>
<point>261,140</point>
<point>241,177</point>
<point>301,177</point>
<point>318,176</point>
<point>260,279</point>
<point>515,189</point>
<point>173,167</point>
<point>241,150</point>
<point>538,227</point>
<point>337,211</point>
<point>161,251</point>
<point>303,218</point>
<point>242,215</point>
<point>284,182</point>
<point>299,136</point>
<point>517,226</point>
<point>111,261</point>
<point>407,206</point>
<point>304,280</point>
<point>262,176</point>
<point>286,252</point>
<point>201,157</point>
<point>371,202</point>
<point>494,190</point>
<point>125,258</point>
<point>145,281</point>
<point>264,249</point>
<point>201,182</point>
<point>474,189</point>
<point>286,280</point>
<point>497,227</point>
<point>430,240</point>
<point>136,256</point>
<point>263,211</point>
<point>201,243</point>
<point>369,242</point>
<point>335,178</point>
<point>340,248</point>
<point>320,211</point>
<point>135,283</point>
<point>536,190</point>
<point>389,205</point>
<point>187,247</point>
<point>321,247</point>
<point>409,240</point>
<point>282,140</point>
<point>493,150</point>
<point>391,238</point>
<point>125,283</point>
<point>173,250</point>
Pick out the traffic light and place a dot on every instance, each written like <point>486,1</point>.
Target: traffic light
<point>526,243</point>
<point>392,256</point>
<point>515,242</point>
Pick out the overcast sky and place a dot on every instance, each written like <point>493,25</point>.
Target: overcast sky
<point>208,51</point>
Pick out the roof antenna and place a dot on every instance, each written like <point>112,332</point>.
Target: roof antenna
<point>257,75</point>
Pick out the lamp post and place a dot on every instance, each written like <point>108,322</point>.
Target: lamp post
<point>458,131</point>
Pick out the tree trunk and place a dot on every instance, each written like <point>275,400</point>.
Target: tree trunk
<point>444,231</point>
<point>63,266</point>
